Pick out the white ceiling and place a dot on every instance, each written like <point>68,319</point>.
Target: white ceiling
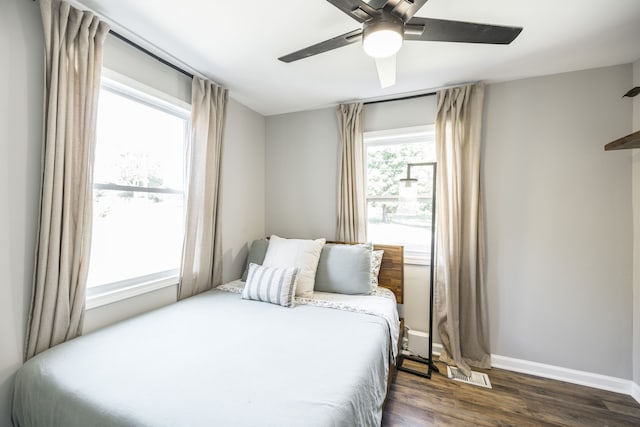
<point>236,43</point>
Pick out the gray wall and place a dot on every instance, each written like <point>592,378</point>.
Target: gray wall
<point>400,114</point>
<point>558,211</point>
<point>301,179</point>
<point>242,186</point>
<point>21,83</point>
<point>126,60</point>
<point>636,233</point>
<point>558,220</point>
<point>21,67</point>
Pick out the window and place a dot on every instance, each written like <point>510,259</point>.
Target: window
<point>394,216</point>
<point>138,193</point>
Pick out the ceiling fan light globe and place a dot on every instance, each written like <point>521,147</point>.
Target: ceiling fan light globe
<point>382,43</point>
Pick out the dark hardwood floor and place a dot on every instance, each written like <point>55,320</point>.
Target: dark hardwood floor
<point>515,400</point>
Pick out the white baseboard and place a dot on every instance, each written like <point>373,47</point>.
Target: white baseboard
<point>589,379</point>
<point>437,348</point>
<point>573,376</point>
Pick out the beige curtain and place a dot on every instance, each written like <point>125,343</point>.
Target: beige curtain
<point>202,248</point>
<point>461,312</point>
<point>73,62</point>
<point>352,208</point>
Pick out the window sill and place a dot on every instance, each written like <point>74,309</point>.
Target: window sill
<point>125,292</point>
<point>416,260</point>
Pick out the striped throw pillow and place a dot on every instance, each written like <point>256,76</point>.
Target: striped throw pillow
<point>275,285</point>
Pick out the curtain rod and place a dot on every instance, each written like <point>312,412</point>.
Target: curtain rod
<point>151,54</point>
<point>402,98</point>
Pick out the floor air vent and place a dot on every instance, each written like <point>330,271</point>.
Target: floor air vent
<point>476,378</point>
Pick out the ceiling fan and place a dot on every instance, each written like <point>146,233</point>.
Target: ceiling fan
<point>387,23</point>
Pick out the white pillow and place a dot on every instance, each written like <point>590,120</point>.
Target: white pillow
<point>303,254</point>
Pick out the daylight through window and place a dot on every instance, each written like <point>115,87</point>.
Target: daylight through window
<point>138,192</point>
<point>392,217</point>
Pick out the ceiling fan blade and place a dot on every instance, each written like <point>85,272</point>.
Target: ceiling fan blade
<point>359,10</point>
<point>463,32</point>
<point>386,71</point>
<point>405,9</point>
<point>327,45</point>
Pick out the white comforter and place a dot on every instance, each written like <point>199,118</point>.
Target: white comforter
<point>217,360</point>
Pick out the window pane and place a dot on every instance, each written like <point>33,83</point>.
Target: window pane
<point>398,214</point>
<point>387,164</point>
<point>134,234</point>
<point>389,222</point>
<point>138,145</point>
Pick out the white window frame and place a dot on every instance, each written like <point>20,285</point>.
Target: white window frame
<point>108,293</point>
<point>413,134</point>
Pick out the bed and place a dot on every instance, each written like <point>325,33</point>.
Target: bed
<point>219,359</point>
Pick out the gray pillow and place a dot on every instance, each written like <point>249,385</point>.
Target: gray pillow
<point>256,255</point>
<point>344,269</point>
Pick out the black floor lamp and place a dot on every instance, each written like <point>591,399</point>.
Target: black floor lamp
<point>428,361</point>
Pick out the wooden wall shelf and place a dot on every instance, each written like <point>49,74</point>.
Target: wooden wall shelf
<point>630,141</point>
